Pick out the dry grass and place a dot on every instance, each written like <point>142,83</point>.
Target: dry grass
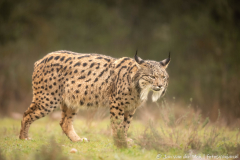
<point>51,151</point>
<point>188,133</point>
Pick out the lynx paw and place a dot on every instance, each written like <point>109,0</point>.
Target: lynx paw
<point>130,142</point>
<point>83,140</point>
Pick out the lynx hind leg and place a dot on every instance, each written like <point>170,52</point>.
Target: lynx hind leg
<point>67,123</point>
<point>33,113</point>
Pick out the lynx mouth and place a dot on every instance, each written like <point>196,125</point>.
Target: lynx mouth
<point>157,88</point>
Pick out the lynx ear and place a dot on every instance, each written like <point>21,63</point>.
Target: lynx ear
<point>164,63</point>
<point>138,59</point>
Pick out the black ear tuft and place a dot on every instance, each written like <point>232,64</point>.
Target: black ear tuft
<point>137,59</point>
<point>165,62</point>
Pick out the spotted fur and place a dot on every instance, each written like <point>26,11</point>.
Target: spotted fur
<point>72,80</point>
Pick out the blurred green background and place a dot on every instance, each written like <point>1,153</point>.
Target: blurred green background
<point>203,37</point>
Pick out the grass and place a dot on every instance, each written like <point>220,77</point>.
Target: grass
<point>48,140</point>
<point>167,137</point>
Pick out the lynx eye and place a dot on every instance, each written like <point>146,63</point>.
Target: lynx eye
<point>163,77</point>
<point>152,77</point>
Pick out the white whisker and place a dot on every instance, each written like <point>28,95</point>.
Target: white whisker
<point>144,93</point>
<point>157,95</point>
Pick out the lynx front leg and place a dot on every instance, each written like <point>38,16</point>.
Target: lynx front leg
<point>128,116</point>
<point>117,117</point>
<point>66,123</point>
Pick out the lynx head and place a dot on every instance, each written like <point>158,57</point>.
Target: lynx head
<point>152,76</point>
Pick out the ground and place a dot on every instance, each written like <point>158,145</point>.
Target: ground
<point>42,131</point>
<point>164,138</point>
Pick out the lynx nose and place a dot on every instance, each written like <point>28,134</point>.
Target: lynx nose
<point>157,88</point>
<point>160,86</point>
